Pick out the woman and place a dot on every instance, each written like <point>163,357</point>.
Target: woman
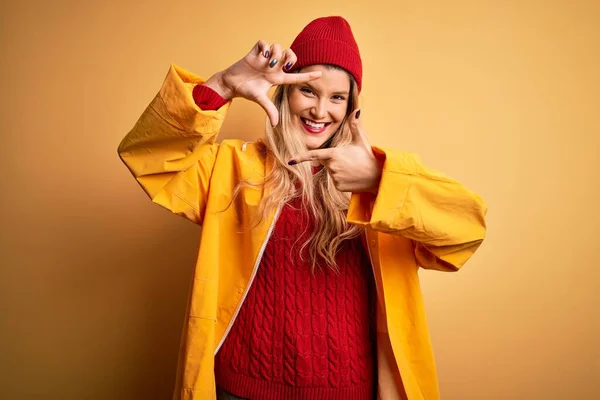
<point>306,285</point>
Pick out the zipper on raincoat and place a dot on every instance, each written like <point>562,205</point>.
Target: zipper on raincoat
<point>258,260</point>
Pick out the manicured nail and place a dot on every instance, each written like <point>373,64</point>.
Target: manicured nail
<point>267,54</point>
<point>357,114</point>
<point>273,63</point>
<point>292,162</point>
<point>288,66</point>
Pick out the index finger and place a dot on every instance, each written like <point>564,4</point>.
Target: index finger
<point>301,77</point>
<point>313,155</point>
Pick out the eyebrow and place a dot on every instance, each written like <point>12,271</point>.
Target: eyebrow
<point>315,89</point>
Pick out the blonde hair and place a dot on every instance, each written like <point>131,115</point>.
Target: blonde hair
<point>319,195</point>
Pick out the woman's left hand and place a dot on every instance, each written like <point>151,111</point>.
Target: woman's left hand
<point>353,167</point>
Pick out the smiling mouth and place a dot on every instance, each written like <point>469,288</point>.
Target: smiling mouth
<point>314,127</point>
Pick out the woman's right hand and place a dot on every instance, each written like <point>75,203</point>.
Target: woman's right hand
<point>253,76</point>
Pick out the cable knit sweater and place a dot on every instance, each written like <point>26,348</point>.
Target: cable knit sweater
<point>299,335</point>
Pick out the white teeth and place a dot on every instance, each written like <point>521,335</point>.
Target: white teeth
<point>313,124</point>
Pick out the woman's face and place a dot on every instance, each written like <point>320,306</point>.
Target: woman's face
<point>317,108</point>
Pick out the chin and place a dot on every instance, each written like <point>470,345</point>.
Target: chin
<point>313,142</point>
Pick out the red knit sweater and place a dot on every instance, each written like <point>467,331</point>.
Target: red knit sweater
<point>300,335</point>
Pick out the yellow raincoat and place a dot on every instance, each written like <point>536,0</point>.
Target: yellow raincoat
<point>419,218</point>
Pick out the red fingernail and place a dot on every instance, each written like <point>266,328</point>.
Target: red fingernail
<point>292,162</point>
<point>267,54</point>
<point>357,114</point>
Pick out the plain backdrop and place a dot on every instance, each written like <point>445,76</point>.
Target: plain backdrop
<point>502,95</point>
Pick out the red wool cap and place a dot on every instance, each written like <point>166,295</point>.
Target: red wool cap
<point>329,40</point>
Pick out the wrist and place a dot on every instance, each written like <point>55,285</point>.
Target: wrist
<point>377,172</point>
<point>216,83</point>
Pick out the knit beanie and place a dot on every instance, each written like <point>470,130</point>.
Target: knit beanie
<point>328,40</point>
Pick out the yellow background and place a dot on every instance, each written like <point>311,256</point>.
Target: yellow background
<point>502,95</point>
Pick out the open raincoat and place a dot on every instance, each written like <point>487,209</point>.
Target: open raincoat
<point>418,218</point>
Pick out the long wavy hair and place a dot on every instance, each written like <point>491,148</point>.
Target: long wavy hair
<point>319,196</point>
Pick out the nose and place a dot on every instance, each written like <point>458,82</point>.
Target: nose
<point>319,110</point>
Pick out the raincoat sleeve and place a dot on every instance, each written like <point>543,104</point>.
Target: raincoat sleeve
<point>171,150</point>
<point>444,219</point>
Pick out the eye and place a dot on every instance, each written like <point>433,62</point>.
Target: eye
<point>306,90</point>
<point>338,97</point>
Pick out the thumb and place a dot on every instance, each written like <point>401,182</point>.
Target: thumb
<point>266,103</point>
<point>358,136</point>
